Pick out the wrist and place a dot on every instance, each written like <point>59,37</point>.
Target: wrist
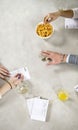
<point>63,58</point>
<point>60,11</point>
<point>4,89</point>
<point>9,83</point>
<point>13,84</point>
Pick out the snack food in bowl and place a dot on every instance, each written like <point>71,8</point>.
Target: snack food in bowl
<point>44,30</point>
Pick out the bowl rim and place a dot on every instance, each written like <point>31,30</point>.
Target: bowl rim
<point>47,36</point>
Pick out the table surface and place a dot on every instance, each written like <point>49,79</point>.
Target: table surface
<point>20,46</point>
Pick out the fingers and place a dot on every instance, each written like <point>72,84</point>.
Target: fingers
<point>51,63</point>
<point>4,69</point>
<point>1,76</point>
<point>51,53</point>
<point>4,72</point>
<point>51,17</point>
<point>53,57</point>
<point>48,53</point>
<point>47,19</point>
<point>45,52</point>
<point>16,80</point>
<point>19,77</point>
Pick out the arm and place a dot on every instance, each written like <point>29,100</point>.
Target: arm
<point>66,13</point>
<point>58,58</point>
<point>5,88</point>
<point>63,13</point>
<point>12,83</point>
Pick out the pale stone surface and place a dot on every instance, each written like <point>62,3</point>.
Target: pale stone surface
<point>19,46</point>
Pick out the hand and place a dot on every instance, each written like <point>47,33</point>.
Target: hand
<point>16,80</point>
<point>3,72</point>
<point>56,58</point>
<point>51,17</point>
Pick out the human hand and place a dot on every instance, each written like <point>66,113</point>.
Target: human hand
<point>16,80</point>
<point>56,58</point>
<point>51,17</point>
<point>4,72</point>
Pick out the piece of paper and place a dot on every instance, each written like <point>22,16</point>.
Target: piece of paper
<point>23,71</point>
<point>39,109</point>
<point>71,23</point>
<point>30,104</point>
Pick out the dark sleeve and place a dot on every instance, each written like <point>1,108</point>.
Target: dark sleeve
<point>73,59</point>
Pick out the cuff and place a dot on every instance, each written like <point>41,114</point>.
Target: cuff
<point>73,59</point>
<point>75,11</point>
<point>67,59</point>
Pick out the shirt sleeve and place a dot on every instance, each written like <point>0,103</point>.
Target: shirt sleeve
<point>75,11</point>
<point>72,59</point>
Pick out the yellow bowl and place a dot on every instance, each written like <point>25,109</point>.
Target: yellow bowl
<point>44,31</point>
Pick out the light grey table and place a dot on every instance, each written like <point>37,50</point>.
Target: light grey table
<point>20,46</point>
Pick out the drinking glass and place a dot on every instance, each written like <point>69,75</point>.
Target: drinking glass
<point>25,89</point>
<point>63,95</point>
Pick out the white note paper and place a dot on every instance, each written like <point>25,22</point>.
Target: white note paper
<point>39,109</point>
<point>23,71</point>
<point>30,104</point>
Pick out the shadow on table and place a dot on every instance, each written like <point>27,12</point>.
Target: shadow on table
<point>49,112</point>
<point>60,38</point>
<point>65,67</point>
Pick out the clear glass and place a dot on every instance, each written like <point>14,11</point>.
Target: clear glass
<point>63,95</point>
<point>25,89</point>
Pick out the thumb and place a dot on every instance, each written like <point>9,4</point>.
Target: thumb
<point>50,63</point>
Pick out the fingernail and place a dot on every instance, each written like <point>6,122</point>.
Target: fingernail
<point>49,19</point>
<point>19,76</point>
